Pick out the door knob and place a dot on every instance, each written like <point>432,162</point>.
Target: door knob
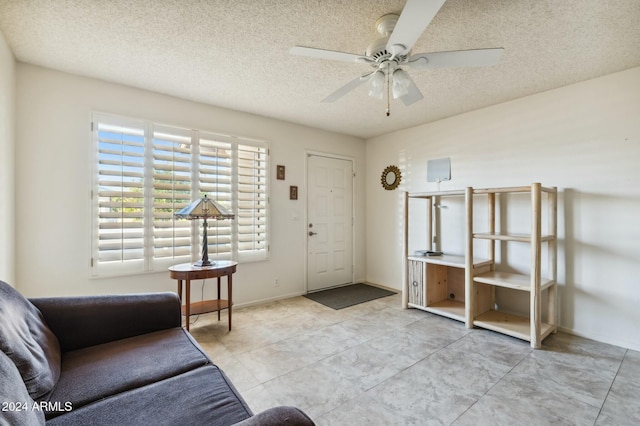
<point>311,233</point>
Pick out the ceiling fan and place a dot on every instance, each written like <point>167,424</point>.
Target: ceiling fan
<point>391,55</point>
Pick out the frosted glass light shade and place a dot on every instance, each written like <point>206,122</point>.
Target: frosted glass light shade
<point>376,85</point>
<point>400,83</point>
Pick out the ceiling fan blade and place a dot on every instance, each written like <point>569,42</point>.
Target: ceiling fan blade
<point>346,88</point>
<point>413,95</point>
<point>457,58</point>
<point>414,19</point>
<point>327,54</point>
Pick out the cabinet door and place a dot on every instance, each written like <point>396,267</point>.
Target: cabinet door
<point>416,283</point>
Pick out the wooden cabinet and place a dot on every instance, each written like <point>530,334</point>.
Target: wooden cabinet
<point>442,285</point>
<point>464,287</point>
<point>416,283</point>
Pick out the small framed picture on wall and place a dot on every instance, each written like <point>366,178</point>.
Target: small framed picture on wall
<point>280,172</point>
<point>293,192</point>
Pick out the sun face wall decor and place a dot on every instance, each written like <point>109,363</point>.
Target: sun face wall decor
<point>391,178</point>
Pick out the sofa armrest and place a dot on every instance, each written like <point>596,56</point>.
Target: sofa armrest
<point>83,321</point>
<point>278,416</point>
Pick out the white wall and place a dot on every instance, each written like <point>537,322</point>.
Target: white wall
<point>54,179</point>
<point>584,139</point>
<point>7,149</point>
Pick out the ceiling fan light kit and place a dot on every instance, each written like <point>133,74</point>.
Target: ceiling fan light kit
<point>390,55</point>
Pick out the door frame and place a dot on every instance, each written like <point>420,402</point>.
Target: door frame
<point>307,154</point>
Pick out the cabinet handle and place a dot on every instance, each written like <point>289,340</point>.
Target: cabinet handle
<point>415,283</point>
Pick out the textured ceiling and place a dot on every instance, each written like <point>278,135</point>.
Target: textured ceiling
<point>234,53</point>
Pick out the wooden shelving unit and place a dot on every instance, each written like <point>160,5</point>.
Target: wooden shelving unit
<point>464,287</point>
<point>436,284</point>
<point>531,328</point>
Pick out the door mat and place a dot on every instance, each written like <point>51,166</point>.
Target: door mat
<point>349,295</point>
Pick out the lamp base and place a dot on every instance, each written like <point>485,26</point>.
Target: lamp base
<point>201,263</point>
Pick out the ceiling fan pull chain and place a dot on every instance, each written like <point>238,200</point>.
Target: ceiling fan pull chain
<point>388,93</point>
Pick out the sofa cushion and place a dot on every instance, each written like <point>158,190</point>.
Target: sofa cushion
<point>28,342</point>
<point>201,396</point>
<point>82,321</point>
<point>17,406</point>
<point>101,371</point>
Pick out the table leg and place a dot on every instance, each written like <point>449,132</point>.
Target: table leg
<point>187,307</point>
<point>219,298</point>
<point>230,298</point>
<point>180,298</point>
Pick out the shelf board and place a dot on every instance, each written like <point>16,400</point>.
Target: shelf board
<point>510,280</point>
<point>511,189</point>
<point>206,307</point>
<point>448,308</point>
<point>525,238</point>
<point>511,325</point>
<point>452,192</point>
<point>502,190</point>
<point>449,260</point>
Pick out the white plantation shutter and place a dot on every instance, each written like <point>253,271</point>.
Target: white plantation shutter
<point>215,166</point>
<point>118,238</point>
<point>251,211</point>
<point>145,172</point>
<point>172,190</point>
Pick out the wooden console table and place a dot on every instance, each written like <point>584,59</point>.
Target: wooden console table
<point>188,272</point>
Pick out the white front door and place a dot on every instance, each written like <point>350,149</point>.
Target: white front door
<point>330,222</point>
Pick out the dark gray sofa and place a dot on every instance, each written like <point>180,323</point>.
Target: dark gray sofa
<point>113,360</point>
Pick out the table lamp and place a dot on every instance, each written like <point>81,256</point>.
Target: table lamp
<point>204,208</point>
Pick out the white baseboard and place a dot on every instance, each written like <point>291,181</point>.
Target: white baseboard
<point>384,287</point>
<point>603,339</point>
<point>268,300</point>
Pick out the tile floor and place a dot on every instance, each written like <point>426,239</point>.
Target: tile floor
<point>377,364</point>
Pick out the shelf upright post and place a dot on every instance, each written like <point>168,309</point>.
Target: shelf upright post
<point>405,261</point>
<point>553,258</point>
<point>491,201</point>
<point>536,237</point>
<point>431,231</point>
<point>469,285</point>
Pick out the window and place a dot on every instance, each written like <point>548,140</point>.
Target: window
<point>145,172</point>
